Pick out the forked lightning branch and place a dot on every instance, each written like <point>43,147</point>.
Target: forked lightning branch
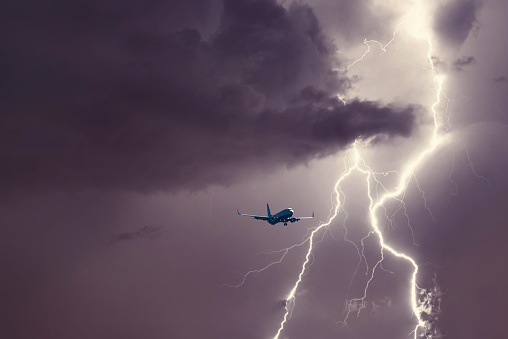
<point>419,299</point>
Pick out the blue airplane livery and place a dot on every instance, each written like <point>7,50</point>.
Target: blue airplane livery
<point>283,216</point>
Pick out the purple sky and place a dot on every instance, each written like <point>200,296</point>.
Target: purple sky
<point>132,131</point>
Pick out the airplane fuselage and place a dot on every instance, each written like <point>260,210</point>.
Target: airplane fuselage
<point>282,216</point>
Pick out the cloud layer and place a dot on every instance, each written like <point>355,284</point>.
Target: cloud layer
<point>100,95</point>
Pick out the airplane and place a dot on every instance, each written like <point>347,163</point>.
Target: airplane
<point>283,216</point>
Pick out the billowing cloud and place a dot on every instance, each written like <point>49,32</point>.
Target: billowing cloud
<point>103,97</point>
<point>464,61</point>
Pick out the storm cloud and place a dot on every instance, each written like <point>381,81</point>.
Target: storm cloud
<point>464,61</point>
<point>99,95</point>
<point>455,20</point>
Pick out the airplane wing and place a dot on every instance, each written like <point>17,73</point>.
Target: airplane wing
<point>306,217</point>
<point>257,217</point>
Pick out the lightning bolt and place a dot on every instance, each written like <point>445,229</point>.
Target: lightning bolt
<point>376,203</point>
<point>422,301</point>
<point>381,46</point>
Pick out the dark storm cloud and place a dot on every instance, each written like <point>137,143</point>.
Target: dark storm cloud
<point>460,63</point>
<point>123,96</point>
<point>352,21</point>
<point>455,20</point>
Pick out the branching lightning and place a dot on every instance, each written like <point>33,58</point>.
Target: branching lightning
<point>377,202</point>
<point>420,300</point>
<point>381,46</point>
<point>284,252</point>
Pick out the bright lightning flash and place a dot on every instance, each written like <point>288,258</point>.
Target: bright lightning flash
<point>376,204</point>
<point>419,305</point>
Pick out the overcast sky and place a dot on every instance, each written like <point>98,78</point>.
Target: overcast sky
<point>132,131</point>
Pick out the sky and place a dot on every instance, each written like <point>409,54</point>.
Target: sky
<point>133,131</point>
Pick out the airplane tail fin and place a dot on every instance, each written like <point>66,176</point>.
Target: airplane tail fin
<point>268,210</point>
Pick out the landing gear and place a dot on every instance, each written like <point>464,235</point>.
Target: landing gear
<point>285,224</point>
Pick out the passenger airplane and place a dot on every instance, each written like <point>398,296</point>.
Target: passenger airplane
<point>283,216</point>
